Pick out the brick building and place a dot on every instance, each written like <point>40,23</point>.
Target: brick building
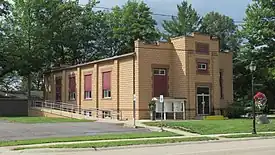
<point>190,69</point>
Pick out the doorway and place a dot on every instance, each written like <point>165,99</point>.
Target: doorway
<point>203,100</point>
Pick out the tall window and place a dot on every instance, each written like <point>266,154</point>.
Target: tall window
<point>88,86</point>
<point>106,84</point>
<point>221,84</point>
<point>58,89</point>
<point>160,82</point>
<point>72,88</point>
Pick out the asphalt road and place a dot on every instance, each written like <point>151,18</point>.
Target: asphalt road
<point>251,147</point>
<point>18,131</point>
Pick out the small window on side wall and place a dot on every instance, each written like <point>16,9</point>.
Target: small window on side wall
<point>202,66</point>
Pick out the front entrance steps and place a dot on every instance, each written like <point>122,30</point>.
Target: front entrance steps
<point>214,117</point>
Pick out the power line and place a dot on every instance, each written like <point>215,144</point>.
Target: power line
<point>164,15</point>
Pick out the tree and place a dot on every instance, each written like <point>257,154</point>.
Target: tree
<point>259,30</point>
<point>10,82</point>
<point>4,7</point>
<point>8,41</point>
<point>186,22</point>
<point>221,26</point>
<point>131,22</point>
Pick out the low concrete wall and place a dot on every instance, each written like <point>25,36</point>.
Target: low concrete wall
<point>13,107</point>
<point>56,113</point>
<point>40,113</point>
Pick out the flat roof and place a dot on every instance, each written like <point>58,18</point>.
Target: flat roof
<point>91,62</point>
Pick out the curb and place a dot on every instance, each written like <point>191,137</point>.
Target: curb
<point>142,146</point>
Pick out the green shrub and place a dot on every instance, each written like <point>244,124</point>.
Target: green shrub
<point>235,110</point>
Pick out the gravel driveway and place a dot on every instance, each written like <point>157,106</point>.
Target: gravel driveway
<point>18,131</point>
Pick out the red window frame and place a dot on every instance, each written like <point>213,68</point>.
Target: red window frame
<point>58,89</point>
<point>72,88</point>
<point>221,84</point>
<point>88,86</point>
<point>106,84</point>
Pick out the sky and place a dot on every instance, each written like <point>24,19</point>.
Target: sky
<point>233,8</point>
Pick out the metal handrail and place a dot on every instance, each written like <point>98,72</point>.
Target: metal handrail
<point>73,108</point>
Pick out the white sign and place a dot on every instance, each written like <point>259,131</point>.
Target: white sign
<point>135,98</point>
<point>161,98</point>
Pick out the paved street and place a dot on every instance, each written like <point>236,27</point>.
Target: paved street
<point>251,147</point>
<point>16,131</point>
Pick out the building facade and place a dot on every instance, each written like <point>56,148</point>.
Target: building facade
<point>190,68</point>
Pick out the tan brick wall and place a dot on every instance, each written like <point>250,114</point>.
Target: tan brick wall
<point>88,103</point>
<point>126,88</point>
<point>186,79</point>
<point>179,69</point>
<point>195,79</point>
<point>118,103</point>
<point>148,55</point>
<point>107,103</point>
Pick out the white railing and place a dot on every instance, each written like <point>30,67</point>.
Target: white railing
<point>73,108</point>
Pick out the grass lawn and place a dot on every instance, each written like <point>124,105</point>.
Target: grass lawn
<point>250,135</point>
<point>205,127</point>
<point>41,120</point>
<point>88,138</point>
<point>122,143</point>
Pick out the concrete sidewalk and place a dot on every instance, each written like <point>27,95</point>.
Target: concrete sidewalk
<point>140,123</point>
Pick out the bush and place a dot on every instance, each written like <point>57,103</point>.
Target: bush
<point>236,109</point>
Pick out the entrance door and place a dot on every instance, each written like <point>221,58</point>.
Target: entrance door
<point>203,101</point>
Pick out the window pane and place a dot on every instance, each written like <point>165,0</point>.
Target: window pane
<point>156,71</point>
<point>202,66</point>
<point>88,95</point>
<point>162,72</point>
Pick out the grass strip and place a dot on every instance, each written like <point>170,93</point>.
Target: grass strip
<point>250,135</point>
<point>88,138</point>
<point>122,143</point>
<point>205,127</point>
<point>31,120</point>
